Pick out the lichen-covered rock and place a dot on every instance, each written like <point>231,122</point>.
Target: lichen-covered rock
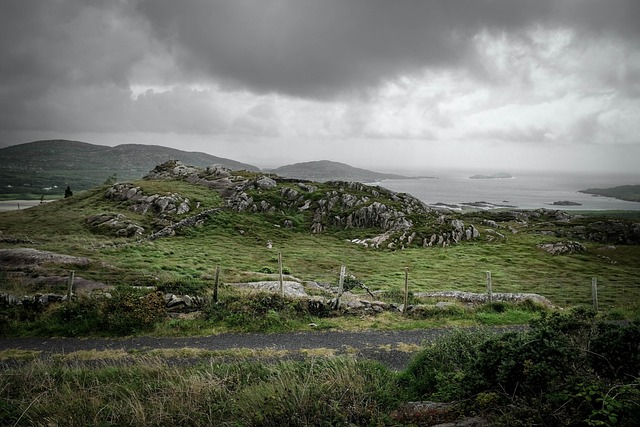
<point>266,183</point>
<point>171,169</point>
<point>114,224</point>
<point>562,248</point>
<point>142,204</point>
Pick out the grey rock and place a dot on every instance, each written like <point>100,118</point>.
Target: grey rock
<point>562,248</point>
<point>265,183</point>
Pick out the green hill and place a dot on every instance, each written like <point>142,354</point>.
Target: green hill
<point>325,170</point>
<point>175,226</point>
<point>47,167</point>
<point>630,193</point>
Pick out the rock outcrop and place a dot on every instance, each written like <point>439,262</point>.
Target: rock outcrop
<point>402,219</point>
<point>159,205</point>
<point>562,248</point>
<point>114,224</point>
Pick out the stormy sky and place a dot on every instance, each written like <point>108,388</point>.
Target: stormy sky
<point>416,84</point>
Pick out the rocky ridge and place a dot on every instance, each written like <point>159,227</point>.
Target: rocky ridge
<point>401,219</point>
<point>385,218</point>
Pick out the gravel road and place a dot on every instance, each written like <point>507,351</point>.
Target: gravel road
<point>392,348</point>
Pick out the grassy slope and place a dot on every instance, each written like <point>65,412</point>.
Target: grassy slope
<point>623,192</point>
<point>516,264</point>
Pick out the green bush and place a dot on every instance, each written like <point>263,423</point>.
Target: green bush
<point>444,369</point>
<point>261,312</point>
<point>566,369</point>
<point>125,312</point>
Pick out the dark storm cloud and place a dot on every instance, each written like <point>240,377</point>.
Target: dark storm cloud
<point>55,51</point>
<point>321,48</point>
<point>74,65</point>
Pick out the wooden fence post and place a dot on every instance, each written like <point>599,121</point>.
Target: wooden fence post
<point>280,274</point>
<point>406,290</point>
<point>594,292</point>
<point>343,270</point>
<point>70,284</point>
<point>489,290</point>
<point>215,284</point>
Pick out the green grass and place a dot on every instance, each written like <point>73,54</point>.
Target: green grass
<point>501,378</point>
<point>149,391</point>
<point>237,242</point>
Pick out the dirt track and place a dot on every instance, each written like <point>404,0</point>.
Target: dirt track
<point>392,348</point>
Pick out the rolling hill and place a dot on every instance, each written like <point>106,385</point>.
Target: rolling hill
<point>47,167</point>
<point>325,170</point>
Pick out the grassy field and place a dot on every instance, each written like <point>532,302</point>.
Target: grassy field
<point>237,242</point>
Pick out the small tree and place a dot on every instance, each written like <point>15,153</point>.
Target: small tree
<point>68,192</point>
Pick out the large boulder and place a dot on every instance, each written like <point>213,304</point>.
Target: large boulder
<point>562,248</point>
<point>265,183</point>
<point>113,224</point>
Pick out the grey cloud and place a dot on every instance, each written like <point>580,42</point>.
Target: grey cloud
<point>322,48</point>
<point>54,52</point>
<point>68,64</point>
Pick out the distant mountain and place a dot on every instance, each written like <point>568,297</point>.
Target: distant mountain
<point>53,164</point>
<point>325,170</point>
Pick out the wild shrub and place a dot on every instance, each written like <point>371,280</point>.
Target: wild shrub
<point>566,369</point>
<point>615,351</point>
<point>444,368</point>
<point>72,318</point>
<point>125,312</point>
<point>265,312</point>
<point>128,312</point>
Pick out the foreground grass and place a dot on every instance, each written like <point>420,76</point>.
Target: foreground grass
<point>338,391</point>
<point>502,378</point>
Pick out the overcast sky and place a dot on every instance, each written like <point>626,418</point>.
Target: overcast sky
<point>420,84</point>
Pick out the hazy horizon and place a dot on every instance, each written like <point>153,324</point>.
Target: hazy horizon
<point>550,85</point>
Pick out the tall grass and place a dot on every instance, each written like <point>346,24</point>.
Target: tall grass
<point>151,392</point>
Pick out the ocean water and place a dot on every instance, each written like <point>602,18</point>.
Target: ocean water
<point>523,191</point>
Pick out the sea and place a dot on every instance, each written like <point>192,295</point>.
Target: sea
<point>530,190</point>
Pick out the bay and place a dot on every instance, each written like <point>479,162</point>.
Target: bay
<point>523,191</point>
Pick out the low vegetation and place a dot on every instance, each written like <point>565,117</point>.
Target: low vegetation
<point>567,369</point>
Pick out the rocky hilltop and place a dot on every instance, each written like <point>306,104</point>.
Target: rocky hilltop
<point>371,216</point>
<point>387,219</point>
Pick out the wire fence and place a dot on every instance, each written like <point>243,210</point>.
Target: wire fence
<point>603,293</point>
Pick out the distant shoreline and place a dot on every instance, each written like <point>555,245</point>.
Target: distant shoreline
<point>14,205</point>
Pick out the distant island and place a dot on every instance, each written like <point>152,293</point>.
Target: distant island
<point>499,175</point>
<point>630,193</point>
<point>566,203</point>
